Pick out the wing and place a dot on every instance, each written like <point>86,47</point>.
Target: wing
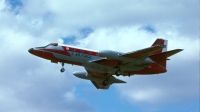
<point>140,55</point>
<point>98,78</point>
<point>99,85</point>
<point>143,53</point>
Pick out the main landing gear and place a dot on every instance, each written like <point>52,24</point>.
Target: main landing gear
<point>118,72</point>
<point>106,81</point>
<point>62,69</point>
<point>107,76</point>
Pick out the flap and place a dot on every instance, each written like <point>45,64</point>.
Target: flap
<point>166,54</point>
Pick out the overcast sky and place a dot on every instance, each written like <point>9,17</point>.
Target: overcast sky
<point>32,84</point>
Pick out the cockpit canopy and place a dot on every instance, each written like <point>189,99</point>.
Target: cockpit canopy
<point>51,44</point>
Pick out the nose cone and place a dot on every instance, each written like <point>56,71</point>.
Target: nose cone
<point>30,50</point>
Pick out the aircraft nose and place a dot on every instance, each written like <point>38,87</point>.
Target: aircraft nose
<point>30,50</point>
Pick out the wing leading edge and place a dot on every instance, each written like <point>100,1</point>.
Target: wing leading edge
<point>144,53</point>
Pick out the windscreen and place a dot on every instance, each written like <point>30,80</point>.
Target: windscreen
<point>51,44</point>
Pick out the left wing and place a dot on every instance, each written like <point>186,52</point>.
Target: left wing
<point>143,53</point>
<point>140,55</point>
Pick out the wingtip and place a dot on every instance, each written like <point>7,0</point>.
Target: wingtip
<point>180,50</point>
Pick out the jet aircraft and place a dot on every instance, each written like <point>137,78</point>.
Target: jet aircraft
<point>101,66</point>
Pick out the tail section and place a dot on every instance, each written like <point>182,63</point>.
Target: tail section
<point>162,43</point>
<point>161,56</point>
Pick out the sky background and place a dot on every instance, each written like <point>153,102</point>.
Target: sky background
<point>32,84</point>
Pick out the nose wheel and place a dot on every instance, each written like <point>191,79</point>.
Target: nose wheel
<point>62,69</point>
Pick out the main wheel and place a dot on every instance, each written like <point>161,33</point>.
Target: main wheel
<point>105,82</point>
<point>62,70</point>
<point>118,72</point>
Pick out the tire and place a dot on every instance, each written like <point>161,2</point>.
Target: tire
<point>62,70</point>
<point>118,72</point>
<point>105,82</point>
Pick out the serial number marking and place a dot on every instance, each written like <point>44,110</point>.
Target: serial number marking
<point>80,54</point>
<point>161,45</point>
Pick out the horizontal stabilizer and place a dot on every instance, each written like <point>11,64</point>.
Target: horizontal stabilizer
<point>167,54</point>
<point>162,57</point>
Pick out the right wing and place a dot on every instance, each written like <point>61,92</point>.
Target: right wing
<point>98,79</point>
<point>99,85</point>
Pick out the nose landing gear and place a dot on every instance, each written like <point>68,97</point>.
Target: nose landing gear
<point>62,69</point>
<point>118,72</point>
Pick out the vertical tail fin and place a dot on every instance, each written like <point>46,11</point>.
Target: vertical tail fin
<point>160,42</point>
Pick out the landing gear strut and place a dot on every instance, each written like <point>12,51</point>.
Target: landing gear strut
<point>62,69</point>
<point>118,72</point>
<point>106,81</point>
